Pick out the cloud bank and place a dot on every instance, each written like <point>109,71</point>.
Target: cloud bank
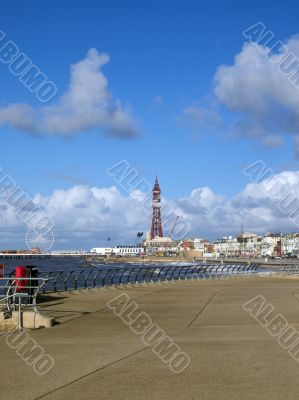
<point>259,94</point>
<point>86,105</point>
<point>86,216</point>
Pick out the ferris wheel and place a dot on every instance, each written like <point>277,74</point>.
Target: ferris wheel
<point>38,238</point>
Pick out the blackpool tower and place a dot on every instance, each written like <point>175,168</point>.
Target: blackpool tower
<point>156,220</point>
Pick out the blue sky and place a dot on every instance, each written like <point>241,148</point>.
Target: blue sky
<point>163,59</point>
<point>171,50</point>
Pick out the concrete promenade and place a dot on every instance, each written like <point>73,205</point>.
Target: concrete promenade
<point>98,357</point>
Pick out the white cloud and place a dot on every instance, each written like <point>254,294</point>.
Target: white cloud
<point>261,96</point>
<point>86,105</point>
<point>85,216</point>
<point>257,90</point>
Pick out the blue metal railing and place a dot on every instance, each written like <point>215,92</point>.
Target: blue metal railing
<point>100,277</point>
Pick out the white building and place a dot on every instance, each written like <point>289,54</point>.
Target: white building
<point>199,244</point>
<point>118,250</point>
<point>161,245</point>
<point>128,250</point>
<point>227,246</point>
<point>246,244</point>
<point>250,244</point>
<point>290,244</point>
<point>268,245</point>
<point>102,251</point>
<point>280,244</point>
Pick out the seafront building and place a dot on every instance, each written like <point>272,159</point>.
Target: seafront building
<point>271,245</point>
<point>226,246</point>
<point>119,251</point>
<point>196,248</point>
<point>161,245</point>
<point>290,244</point>
<point>251,245</point>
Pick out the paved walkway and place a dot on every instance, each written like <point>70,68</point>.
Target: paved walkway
<point>98,357</point>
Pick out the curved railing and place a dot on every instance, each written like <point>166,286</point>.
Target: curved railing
<point>106,276</point>
<point>289,269</point>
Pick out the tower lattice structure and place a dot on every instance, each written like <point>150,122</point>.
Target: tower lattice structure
<point>156,219</point>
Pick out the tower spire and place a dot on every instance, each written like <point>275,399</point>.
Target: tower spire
<point>156,219</point>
